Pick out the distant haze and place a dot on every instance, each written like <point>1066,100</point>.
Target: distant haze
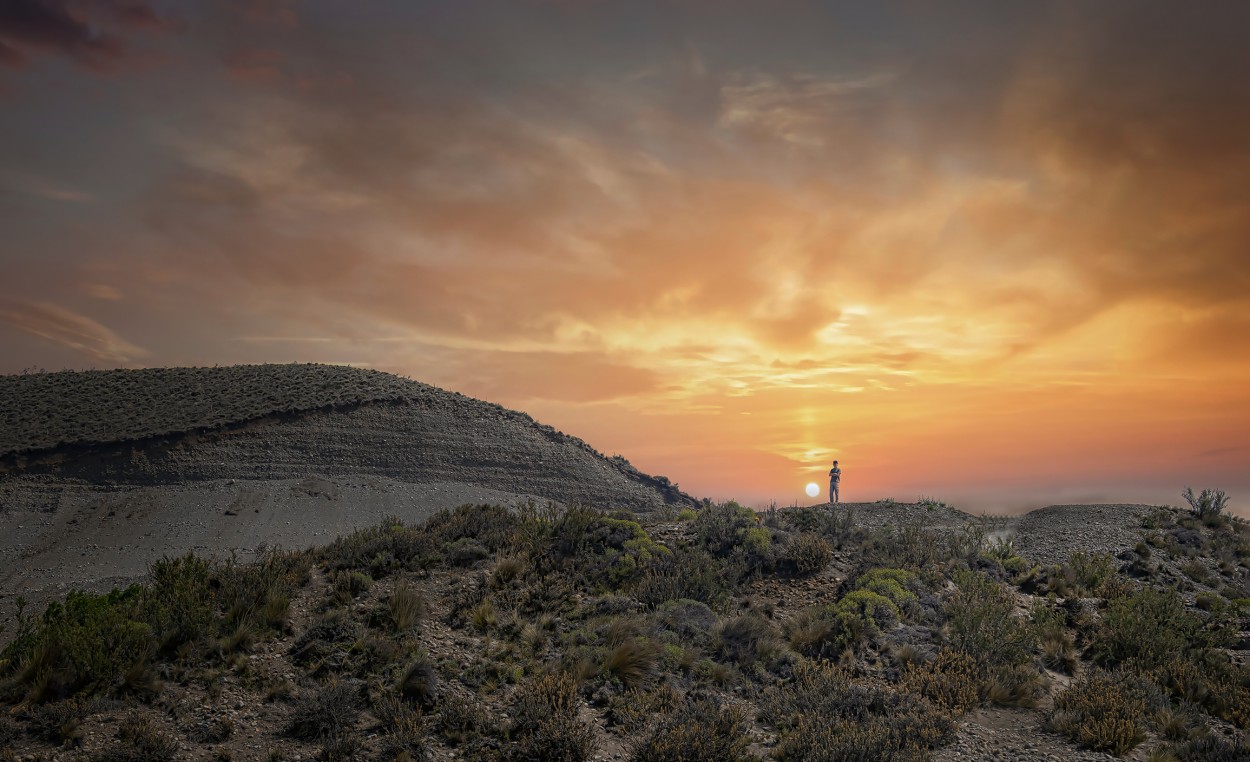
<point>993,253</point>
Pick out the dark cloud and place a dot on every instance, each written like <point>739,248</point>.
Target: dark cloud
<point>88,33</point>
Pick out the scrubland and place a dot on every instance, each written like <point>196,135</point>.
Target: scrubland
<point>716,634</point>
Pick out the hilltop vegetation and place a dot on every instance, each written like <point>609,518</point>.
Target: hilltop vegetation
<point>574,634</point>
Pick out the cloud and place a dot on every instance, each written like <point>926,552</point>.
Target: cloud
<point>88,33</point>
<point>802,109</point>
<point>69,329</point>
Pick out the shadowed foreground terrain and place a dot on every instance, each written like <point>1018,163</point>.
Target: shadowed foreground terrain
<point>870,632</point>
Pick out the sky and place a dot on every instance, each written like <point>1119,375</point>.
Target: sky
<point>995,253</point>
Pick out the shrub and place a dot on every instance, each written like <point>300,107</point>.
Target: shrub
<point>545,723</point>
<point>744,639</point>
<point>406,607</point>
<point>493,526</point>
<point>351,584</point>
<point>462,719</point>
<point>1091,571</point>
<point>605,552</point>
<point>333,632</point>
<point>699,730</point>
<point>1215,748</point>
<point>141,741</point>
<point>982,623</point>
<point>951,680</point>
<point>825,716</point>
<point>465,551</point>
<point>721,528</point>
<point>1106,711</point>
<point>893,584</point>
<point>59,723</point>
<point>419,681</point>
<point>633,661</point>
<point>85,643</point>
<point>1150,627</point>
<point>179,602</point>
<point>1208,506</point>
<point>806,554</point>
<point>685,573</point>
<point>328,712</point>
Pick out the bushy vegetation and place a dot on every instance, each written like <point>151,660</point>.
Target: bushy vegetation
<point>501,633</point>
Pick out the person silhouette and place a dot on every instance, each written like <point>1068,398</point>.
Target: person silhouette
<point>835,479</point>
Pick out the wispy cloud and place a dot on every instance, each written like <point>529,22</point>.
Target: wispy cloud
<point>69,329</point>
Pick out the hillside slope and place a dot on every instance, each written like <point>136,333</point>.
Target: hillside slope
<point>102,472</point>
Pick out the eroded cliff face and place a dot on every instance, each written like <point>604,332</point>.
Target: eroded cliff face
<point>104,472</point>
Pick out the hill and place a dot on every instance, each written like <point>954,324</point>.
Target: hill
<point>102,472</point>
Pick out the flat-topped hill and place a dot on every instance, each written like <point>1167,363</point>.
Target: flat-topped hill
<point>177,425</point>
<point>102,472</point>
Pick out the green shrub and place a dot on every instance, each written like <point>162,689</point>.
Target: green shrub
<point>722,528</point>
<point>493,526</point>
<point>382,550</point>
<point>982,623</point>
<point>419,681</point>
<point>1106,711</point>
<point>604,552</point>
<point>1215,748</point>
<point>465,551</point>
<point>85,643</point>
<point>683,574</point>
<point>1091,571</point>
<point>806,554</point>
<point>1208,506</point>
<point>870,607</point>
<point>179,602</point>
<point>698,731</point>
<point>60,722</point>
<point>1150,627</point>
<point>893,584</point>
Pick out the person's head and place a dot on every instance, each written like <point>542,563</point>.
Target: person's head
<point>835,463</point>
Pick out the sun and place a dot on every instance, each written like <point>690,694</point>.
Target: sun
<point>813,489</point>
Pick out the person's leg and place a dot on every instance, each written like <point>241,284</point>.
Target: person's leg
<point>832,493</point>
<point>837,496</point>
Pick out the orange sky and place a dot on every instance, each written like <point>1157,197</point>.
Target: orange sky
<point>999,256</point>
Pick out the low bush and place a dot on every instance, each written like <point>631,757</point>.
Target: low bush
<point>982,623</point>
<point>824,716</point>
<point>419,681</point>
<point>721,528</point>
<point>698,730</point>
<point>951,680</point>
<point>1106,711</point>
<point>745,639</point>
<point>327,712</point>
<point>406,606</point>
<point>1151,628</point>
<point>633,661</point>
<point>140,741</point>
<point>60,722</point>
<point>685,573</point>
<point>805,554</point>
<point>545,724</point>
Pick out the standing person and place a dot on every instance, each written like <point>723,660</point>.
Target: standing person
<point>835,478</point>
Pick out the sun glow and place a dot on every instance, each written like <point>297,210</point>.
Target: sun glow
<point>812,489</point>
